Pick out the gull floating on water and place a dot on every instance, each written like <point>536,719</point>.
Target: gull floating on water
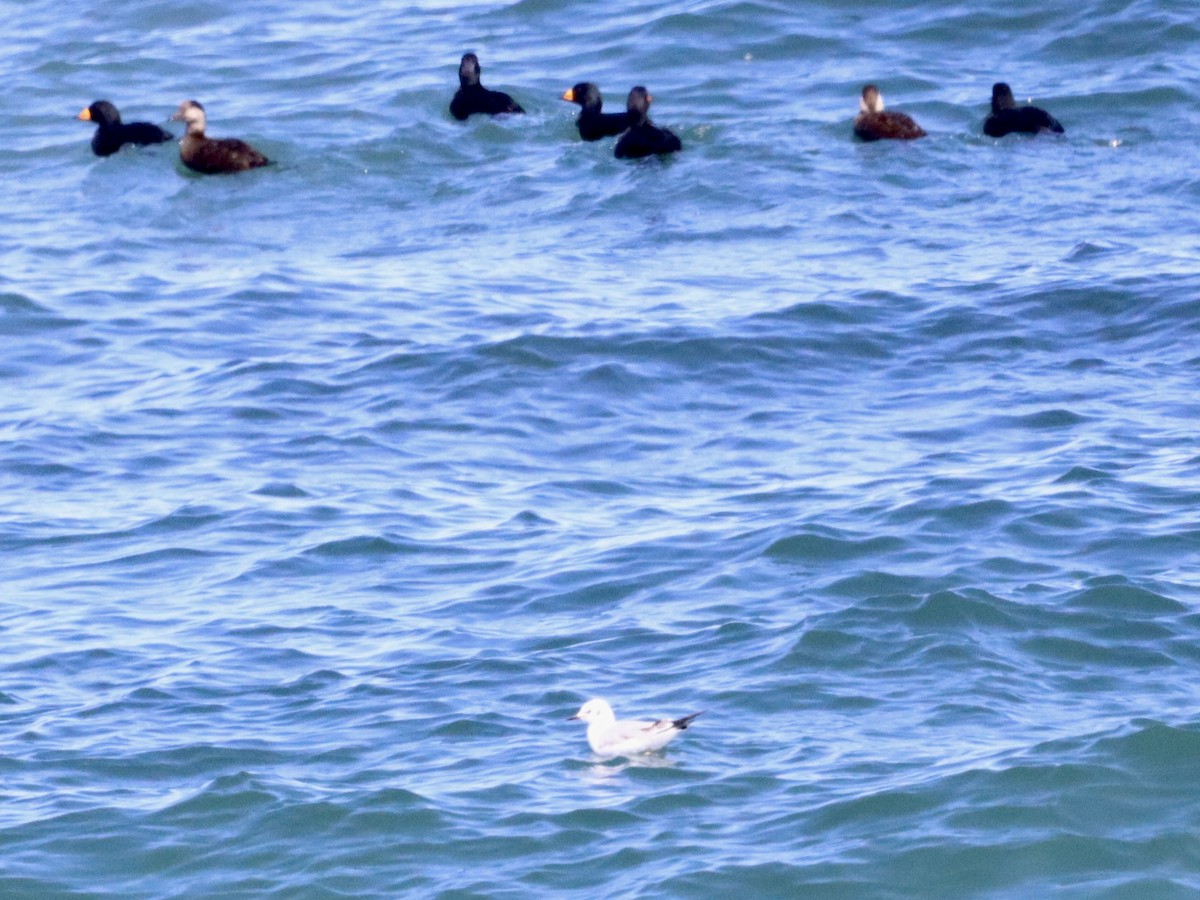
<point>626,737</point>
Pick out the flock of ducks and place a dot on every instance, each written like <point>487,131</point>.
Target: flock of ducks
<point>636,135</point>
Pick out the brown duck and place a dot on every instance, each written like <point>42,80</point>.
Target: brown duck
<point>212,156</point>
<point>873,123</point>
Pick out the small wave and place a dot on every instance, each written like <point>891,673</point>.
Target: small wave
<point>831,547</point>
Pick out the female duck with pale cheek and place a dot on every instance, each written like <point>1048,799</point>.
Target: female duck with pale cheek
<point>874,123</point>
<point>212,156</point>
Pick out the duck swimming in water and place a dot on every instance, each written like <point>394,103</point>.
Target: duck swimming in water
<point>643,137</point>
<point>1007,117</point>
<point>592,123</point>
<point>472,97</point>
<point>874,123</point>
<point>212,156</point>
<point>112,134</point>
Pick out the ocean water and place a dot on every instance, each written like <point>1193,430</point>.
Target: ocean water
<point>332,489</point>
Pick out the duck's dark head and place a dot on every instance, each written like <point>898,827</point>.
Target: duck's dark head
<point>102,113</point>
<point>638,105</point>
<point>468,70</point>
<point>585,94</point>
<point>1002,97</point>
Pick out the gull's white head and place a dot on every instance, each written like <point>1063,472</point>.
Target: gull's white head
<point>595,711</point>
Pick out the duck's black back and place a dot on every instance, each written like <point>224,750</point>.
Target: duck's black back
<point>475,98</point>
<point>594,125</point>
<point>1022,120</point>
<point>646,139</point>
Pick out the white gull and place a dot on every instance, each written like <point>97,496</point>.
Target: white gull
<point>610,737</point>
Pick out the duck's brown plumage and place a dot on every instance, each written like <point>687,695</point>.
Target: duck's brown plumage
<point>212,156</point>
<point>874,123</point>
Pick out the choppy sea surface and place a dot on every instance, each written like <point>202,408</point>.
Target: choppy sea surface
<point>330,490</point>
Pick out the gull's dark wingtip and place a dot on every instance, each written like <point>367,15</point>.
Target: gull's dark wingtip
<point>681,724</point>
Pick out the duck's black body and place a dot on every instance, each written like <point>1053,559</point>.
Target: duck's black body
<point>112,134</point>
<point>1007,117</point>
<point>643,137</point>
<point>591,122</point>
<point>472,97</point>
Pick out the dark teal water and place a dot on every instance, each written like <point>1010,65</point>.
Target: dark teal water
<point>332,489</point>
